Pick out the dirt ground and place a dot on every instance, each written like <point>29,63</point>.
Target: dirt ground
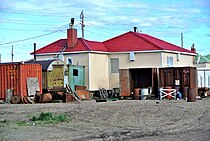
<point>132,120</point>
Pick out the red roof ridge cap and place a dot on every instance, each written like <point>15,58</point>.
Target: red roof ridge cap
<point>85,44</point>
<point>148,41</point>
<point>90,41</point>
<point>116,36</point>
<point>186,50</point>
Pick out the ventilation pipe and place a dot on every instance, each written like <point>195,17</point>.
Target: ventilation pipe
<point>193,48</point>
<point>34,51</point>
<point>135,29</point>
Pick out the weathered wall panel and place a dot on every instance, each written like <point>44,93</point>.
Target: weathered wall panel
<point>125,89</point>
<point>14,76</point>
<point>186,76</point>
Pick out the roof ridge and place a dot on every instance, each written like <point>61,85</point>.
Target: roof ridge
<point>90,40</point>
<point>148,41</point>
<point>117,36</point>
<point>85,44</point>
<point>162,41</point>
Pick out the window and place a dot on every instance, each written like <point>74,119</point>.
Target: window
<point>114,65</point>
<point>170,61</point>
<point>69,61</point>
<point>75,72</point>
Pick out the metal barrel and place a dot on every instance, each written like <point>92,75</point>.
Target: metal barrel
<point>136,93</point>
<point>191,95</point>
<point>184,92</point>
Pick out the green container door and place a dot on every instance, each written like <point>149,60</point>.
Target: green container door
<point>76,76</point>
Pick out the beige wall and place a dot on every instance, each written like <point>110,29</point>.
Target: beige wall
<point>142,60</point>
<point>99,71</point>
<point>184,60</point>
<point>44,57</point>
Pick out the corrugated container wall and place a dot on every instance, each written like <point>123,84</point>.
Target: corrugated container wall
<point>14,76</point>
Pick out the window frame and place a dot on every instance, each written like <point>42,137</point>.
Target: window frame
<point>116,69</point>
<point>170,61</point>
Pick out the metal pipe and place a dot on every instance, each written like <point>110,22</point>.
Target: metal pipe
<point>34,51</point>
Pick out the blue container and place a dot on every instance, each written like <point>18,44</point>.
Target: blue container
<point>178,95</point>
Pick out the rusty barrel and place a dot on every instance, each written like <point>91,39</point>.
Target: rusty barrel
<point>191,95</point>
<point>47,97</point>
<point>68,98</point>
<point>136,93</point>
<point>43,98</point>
<point>184,92</point>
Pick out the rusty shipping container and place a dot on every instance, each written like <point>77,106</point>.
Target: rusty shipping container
<point>14,76</point>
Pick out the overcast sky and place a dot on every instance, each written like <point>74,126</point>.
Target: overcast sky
<point>24,22</point>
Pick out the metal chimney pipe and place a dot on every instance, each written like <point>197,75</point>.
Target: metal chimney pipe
<point>135,29</point>
<point>34,51</point>
<point>71,25</point>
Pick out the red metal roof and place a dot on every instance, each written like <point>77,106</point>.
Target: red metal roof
<point>53,47</point>
<point>130,41</point>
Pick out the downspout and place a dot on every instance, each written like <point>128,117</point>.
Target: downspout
<point>161,59</point>
<point>89,72</point>
<point>89,64</point>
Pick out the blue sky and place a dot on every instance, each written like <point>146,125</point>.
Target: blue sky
<point>24,20</point>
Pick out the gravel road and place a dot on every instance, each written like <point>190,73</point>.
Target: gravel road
<point>132,120</point>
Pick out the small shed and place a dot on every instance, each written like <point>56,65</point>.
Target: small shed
<point>53,74</point>
<point>18,76</point>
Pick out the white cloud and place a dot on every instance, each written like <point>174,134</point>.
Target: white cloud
<point>146,24</point>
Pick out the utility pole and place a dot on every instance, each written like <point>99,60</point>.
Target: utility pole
<point>82,23</point>
<point>12,53</point>
<point>182,40</point>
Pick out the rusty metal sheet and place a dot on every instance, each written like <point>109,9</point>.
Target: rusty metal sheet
<point>14,76</point>
<point>125,88</point>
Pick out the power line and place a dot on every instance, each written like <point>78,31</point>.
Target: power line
<point>34,13</point>
<point>23,23</point>
<point>30,38</point>
<point>21,20</point>
<point>21,29</point>
<point>97,33</point>
<point>106,22</point>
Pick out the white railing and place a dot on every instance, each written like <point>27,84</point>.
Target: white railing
<point>164,93</point>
